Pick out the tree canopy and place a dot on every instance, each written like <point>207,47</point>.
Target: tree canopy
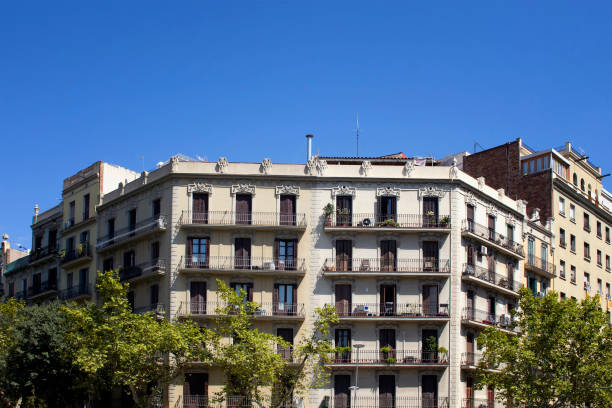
<point>560,356</point>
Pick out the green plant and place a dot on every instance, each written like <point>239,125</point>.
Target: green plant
<point>445,220</point>
<point>430,213</point>
<point>442,350</point>
<point>328,210</point>
<point>391,360</point>
<point>387,223</point>
<point>343,211</point>
<point>431,343</point>
<point>385,349</point>
<point>342,350</point>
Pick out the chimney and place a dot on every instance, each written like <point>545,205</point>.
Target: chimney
<point>35,213</point>
<point>309,144</point>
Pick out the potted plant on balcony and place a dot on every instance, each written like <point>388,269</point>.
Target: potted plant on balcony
<point>343,216</point>
<point>443,353</point>
<point>343,354</point>
<point>444,221</point>
<point>328,210</point>
<point>386,355</point>
<point>430,354</point>
<point>390,222</point>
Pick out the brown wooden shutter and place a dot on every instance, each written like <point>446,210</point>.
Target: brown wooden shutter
<point>243,209</point>
<point>189,248</point>
<point>277,253</point>
<point>343,299</point>
<point>294,307</point>
<point>386,391</point>
<point>275,298</point>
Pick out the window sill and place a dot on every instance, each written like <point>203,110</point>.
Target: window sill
<point>573,251</point>
<point>599,265</point>
<point>573,220</point>
<point>562,214</point>
<point>587,229</point>
<point>588,259</point>
<point>561,277</point>
<point>562,245</point>
<point>608,241</point>
<point>573,282</point>
<point>599,236</point>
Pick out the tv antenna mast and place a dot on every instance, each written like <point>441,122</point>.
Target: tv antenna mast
<point>357,134</point>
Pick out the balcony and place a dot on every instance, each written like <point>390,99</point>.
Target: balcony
<point>71,225</point>
<point>490,280</point>
<point>431,267</point>
<point>74,257</point>
<point>204,401</point>
<point>540,266</point>
<point>252,220</point>
<point>488,236</point>
<point>45,288</point>
<point>40,254</point>
<point>76,292</point>
<point>158,309</point>
<point>139,230</point>
<point>265,310</point>
<point>391,358</point>
<point>392,311</point>
<point>394,401</point>
<point>483,318</point>
<point>143,271</point>
<point>244,266</point>
<point>364,222</point>
<point>480,403</point>
<point>470,360</point>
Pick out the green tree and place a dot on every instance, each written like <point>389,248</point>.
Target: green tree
<point>560,356</point>
<point>251,363</point>
<point>35,358</point>
<point>128,350</point>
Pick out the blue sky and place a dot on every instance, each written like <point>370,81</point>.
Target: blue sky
<point>115,81</point>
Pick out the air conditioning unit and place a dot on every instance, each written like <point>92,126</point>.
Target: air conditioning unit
<point>483,250</point>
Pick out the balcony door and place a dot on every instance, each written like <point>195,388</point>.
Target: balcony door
<point>198,297</point>
<point>287,210</point>
<point>430,256</point>
<point>469,305</point>
<point>429,345</point>
<point>243,209</point>
<point>387,209</point>
<point>287,335</point>
<point>344,255</point>
<point>469,349</point>
<point>197,252</point>
<point>387,300</point>
<point>342,393</point>
<point>285,254</point>
<point>195,390</point>
<point>343,339</point>
<point>470,218</point>
<point>429,391</point>
<point>430,211</point>
<point>343,300</point>
<point>490,397</point>
<point>247,288</point>
<point>344,210</point>
<point>387,340</point>
<point>469,392</point>
<point>83,278</point>
<point>430,300</point>
<point>386,391</point>
<point>388,255</point>
<point>36,282</point>
<point>285,299</point>
<point>200,208</point>
<point>242,253</point>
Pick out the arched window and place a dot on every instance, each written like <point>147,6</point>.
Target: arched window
<point>582,184</point>
<point>575,179</point>
<point>589,191</point>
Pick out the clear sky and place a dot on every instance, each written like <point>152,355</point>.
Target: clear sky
<point>81,82</point>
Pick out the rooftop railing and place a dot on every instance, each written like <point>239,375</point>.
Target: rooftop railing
<point>486,275</point>
<point>269,219</point>
<point>492,236</point>
<point>339,264</point>
<point>391,309</point>
<point>375,220</point>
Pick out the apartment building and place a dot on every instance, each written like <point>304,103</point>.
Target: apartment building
<point>81,193</point>
<point>562,187</point>
<point>7,255</point>
<point>44,266</point>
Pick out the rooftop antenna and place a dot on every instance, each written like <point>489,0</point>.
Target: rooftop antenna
<point>357,134</point>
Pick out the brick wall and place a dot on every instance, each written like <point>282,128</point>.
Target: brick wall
<point>500,168</point>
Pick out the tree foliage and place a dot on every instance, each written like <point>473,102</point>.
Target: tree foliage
<point>135,351</point>
<point>251,362</point>
<point>35,358</point>
<point>561,356</point>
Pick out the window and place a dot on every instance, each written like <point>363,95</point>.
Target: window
<point>285,250</point>
<point>491,227</point>
<point>70,244</point>
<point>599,260</point>
<point>572,214</point>
<point>562,238</point>
<point>587,282</point>
<point>598,229</point>
<point>84,237</point>
<point>71,210</point>
<point>608,262</point>
<point>562,296</point>
<point>573,243</point>
<point>38,243</point>
<point>562,206</point>
<point>132,219</point>
<point>11,289</point>
<point>587,226</point>
<point>582,184</point>
<point>129,259</point>
<point>52,239</point>
<point>197,252</point>
<point>107,265</point>
<point>155,251</point>
<point>244,289</point>
<point>153,296</point>
<point>544,255</point>
<point>562,269</point>
<point>608,235</point>
<point>608,291</point>
<point>156,208</point>
<point>285,299</point>
<point>573,274</point>
<point>599,287</point>
<point>575,180</point>
<point>531,251</point>
<point>110,228</point>
<point>85,207</point>
<point>587,251</point>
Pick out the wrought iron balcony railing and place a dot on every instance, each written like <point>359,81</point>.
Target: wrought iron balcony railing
<point>157,266</point>
<point>391,356</point>
<point>391,309</point>
<point>486,317</point>
<point>42,252</point>
<point>375,220</point>
<point>124,234</point>
<point>388,401</point>
<point>486,275</point>
<point>340,264</point>
<point>83,251</point>
<point>262,309</point>
<point>267,219</point>
<point>540,264</point>
<point>76,291</point>
<point>249,263</point>
<point>490,235</point>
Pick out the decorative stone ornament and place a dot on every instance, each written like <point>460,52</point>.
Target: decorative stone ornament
<point>453,173</point>
<point>500,193</point>
<point>481,183</point>
<point>243,189</point>
<point>387,192</point>
<point>289,190</point>
<point>174,161</point>
<point>316,166</point>
<point>431,191</point>
<point>222,165</point>
<point>199,188</point>
<point>343,191</point>
<point>510,220</point>
<point>366,166</point>
<point>491,209</point>
<point>144,176</point>
<point>409,168</point>
<point>470,199</point>
<point>311,167</point>
<point>266,166</point>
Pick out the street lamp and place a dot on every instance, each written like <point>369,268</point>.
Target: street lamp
<point>356,387</point>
